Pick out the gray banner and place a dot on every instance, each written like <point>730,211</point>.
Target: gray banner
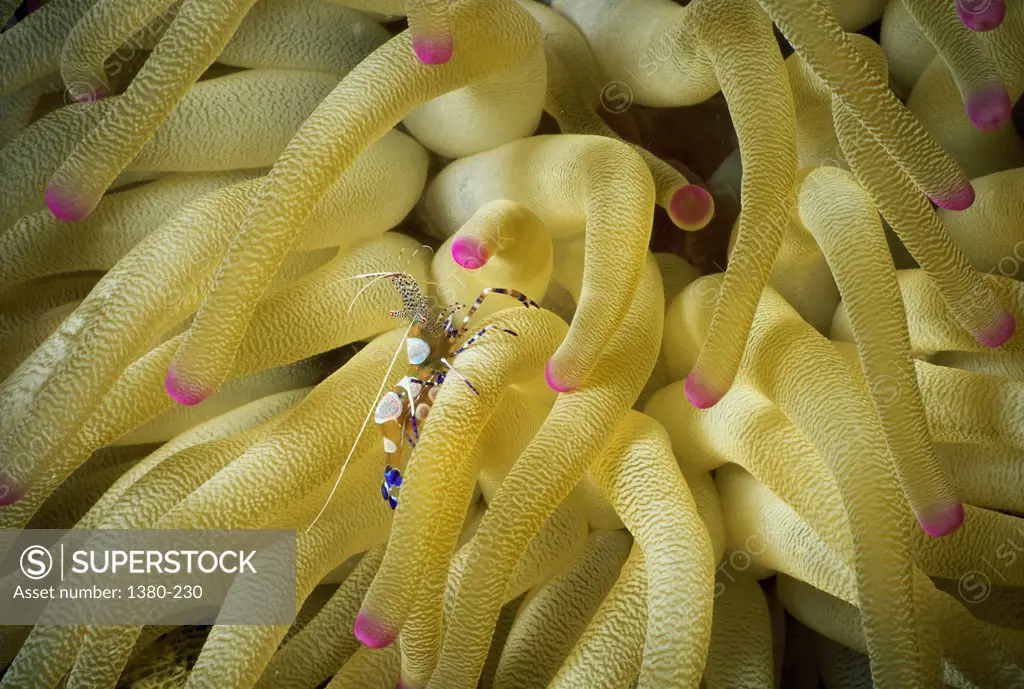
<point>174,577</point>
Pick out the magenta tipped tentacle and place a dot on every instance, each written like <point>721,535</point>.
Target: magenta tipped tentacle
<point>65,204</point>
<point>691,207</point>
<point>182,392</point>
<point>700,395</point>
<point>431,28</point>
<point>943,521</point>
<point>91,96</point>
<point>981,15</point>
<point>990,107</point>
<point>470,252</point>
<point>552,379</point>
<point>958,200</point>
<point>371,632</point>
<point>10,490</point>
<point>1000,332</point>
<point>433,50</point>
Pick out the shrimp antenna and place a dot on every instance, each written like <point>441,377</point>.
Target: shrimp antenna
<point>376,278</point>
<point>355,444</point>
<point>456,372</point>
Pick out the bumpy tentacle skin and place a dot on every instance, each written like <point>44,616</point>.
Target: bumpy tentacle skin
<point>40,245</point>
<point>504,244</point>
<point>908,50</point>
<point>309,35</point>
<point>17,109</point>
<point>321,648</point>
<point>136,397</point>
<point>677,550</point>
<point>769,169</point>
<point>932,326</point>
<point>556,614</point>
<point>834,207</point>
<point>889,569</point>
<point>196,35</point>
<point>33,156</point>
<point>237,655</point>
<point>740,654</point>
<point>573,94</point>
<point>609,653</point>
<point>439,482</point>
<point>812,29</point>
<point>31,50</point>
<point>542,477</point>
<point>917,225</point>
<point>986,100</point>
<point>573,183</point>
<point>937,103</point>
<point>106,27</point>
<point>648,46</point>
<point>368,102</point>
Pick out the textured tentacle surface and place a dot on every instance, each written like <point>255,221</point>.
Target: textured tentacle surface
<point>769,169</point>
<point>677,550</point>
<point>926,239</point>
<point>560,610</point>
<point>544,475</point>
<point>573,94</point>
<point>812,29</point>
<point>572,183</point>
<point>360,110</point>
<point>882,338</point>
<point>608,654</point>
<point>197,34</point>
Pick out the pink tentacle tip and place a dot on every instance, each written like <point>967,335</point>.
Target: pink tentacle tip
<point>944,521</point>
<point>691,207</point>
<point>371,632</point>
<point>700,395</point>
<point>981,15</point>
<point>470,253</point>
<point>961,199</point>
<point>553,382</point>
<point>10,492</point>
<point>1000,332</point>
<point>183,393</point>
<point>65,204</point>
<point>989,108</point>
<point>433,50</point>
<point>97,94</point>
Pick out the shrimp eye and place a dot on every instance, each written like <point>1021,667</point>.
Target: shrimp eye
<point>417,350</point>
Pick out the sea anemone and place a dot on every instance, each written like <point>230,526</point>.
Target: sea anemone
<point>759,424</point>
